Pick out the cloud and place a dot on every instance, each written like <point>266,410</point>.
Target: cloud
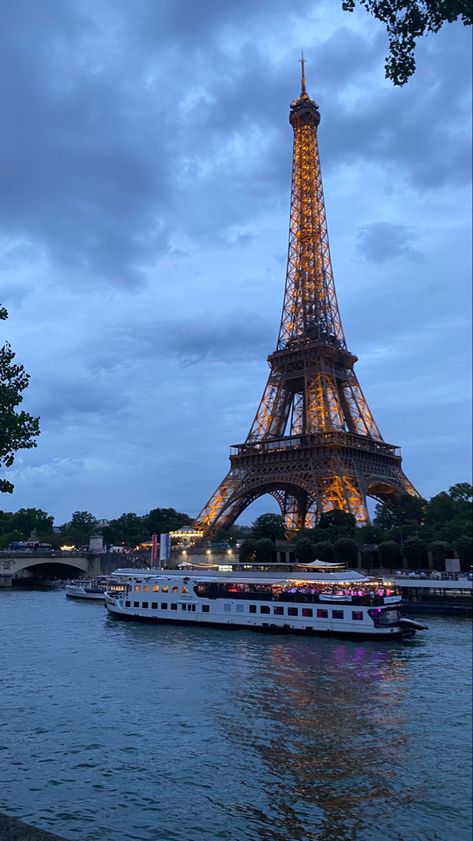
<point>146,164</point>
<point>381,242</point>
<point>232,339</point>
<point>123,126</point>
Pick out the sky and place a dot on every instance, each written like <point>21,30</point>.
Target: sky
<point>145,177</point>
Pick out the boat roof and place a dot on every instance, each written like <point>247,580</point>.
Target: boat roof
<point>343,577</point>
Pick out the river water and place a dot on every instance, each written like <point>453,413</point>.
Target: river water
<point>112,731</point>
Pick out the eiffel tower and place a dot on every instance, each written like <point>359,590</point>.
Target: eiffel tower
<point>314,444</point>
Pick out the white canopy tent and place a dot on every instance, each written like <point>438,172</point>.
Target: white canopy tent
<point>320,565</point>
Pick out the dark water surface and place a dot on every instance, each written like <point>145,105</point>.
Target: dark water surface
<point>112,731</point>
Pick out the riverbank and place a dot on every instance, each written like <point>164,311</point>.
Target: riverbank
<point>12,829</point>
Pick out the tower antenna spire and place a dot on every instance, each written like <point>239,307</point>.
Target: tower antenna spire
<point>303,87</point>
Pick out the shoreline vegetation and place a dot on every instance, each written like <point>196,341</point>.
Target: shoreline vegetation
<point>414,533</point>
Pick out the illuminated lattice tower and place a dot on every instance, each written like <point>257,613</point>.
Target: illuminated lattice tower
<point>314,444</point>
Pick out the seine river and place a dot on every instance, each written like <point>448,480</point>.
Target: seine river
<point>112,730</point>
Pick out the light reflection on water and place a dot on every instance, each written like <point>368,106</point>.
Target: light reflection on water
<point>121,731</point>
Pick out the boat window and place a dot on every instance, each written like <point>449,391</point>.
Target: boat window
<point>321,614</point>
<point>145,604</point>
<point>137,588</point>
<point>136,604</point>
<point>165,588</point>
<point>357,614</point>
<point>337,614</point>
<point>293,611</point>
<point>307,611</point>
<point>183,607</point>
<point>146,588</point>
<point>127,604</point>
<point>155,588</point>
<point>174,607</point>
<point>227,607</point>
<point>205,608</point>
<point>278,610</point>
<point>154,605</point>
<point>264,608</point>
<point>239,608</point>
<point>164,605</point>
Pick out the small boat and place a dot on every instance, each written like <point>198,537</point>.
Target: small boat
<point>92,589</point>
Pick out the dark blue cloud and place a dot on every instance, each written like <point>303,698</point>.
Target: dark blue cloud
<point>145,176</point>
<point>381,242</point>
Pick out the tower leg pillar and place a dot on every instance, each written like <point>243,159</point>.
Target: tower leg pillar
<point>343,492</point>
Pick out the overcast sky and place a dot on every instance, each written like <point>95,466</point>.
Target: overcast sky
<point>145,165</point>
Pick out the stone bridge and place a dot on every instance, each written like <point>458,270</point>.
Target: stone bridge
<point>23,565</point>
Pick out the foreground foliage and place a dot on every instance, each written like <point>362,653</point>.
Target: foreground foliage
<point>18,429</point>
<point>408,20</point>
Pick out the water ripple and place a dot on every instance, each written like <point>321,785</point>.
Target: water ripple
<point>124,732</point>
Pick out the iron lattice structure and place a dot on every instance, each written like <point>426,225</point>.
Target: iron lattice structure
<point>314,444</point>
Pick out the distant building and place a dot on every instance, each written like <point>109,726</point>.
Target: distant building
<point>185,536</point>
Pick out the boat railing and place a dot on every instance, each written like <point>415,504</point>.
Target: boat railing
<point>299,597</point>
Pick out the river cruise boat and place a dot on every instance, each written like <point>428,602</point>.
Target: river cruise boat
<point>339,603</point>
<point>92,589</point>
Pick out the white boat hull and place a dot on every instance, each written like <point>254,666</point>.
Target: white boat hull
<point>192,613</point>
<point>275,625</point>
<point>74,592</point>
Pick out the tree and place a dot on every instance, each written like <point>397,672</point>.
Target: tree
<point>385,516</point>
<point>346,551</point>
<point>27,520</point>
<point>269,525</point>
<point>461,492</point>
<point>440,509</point>
<point>6,521</point>
<point>438,552</point>
<point>228,535</point>
<point>9,537</point>
<point>408,20</point>
<point>164,520</point>
<point>304,550</point>
<point>337,518</point>
<point>324,551</point>
<point>406,512</point>
<point>462,496</point>
<point>80,529</point>
<point>389,553</point>
<point>464,547</point>
<point>264,551</point>
<point>18,429</point>
<point>414,551</point>
<point>128,528</point>
<point>369,534</point>
<point>247,551</point>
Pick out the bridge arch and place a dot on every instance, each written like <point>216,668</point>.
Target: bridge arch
<point>13,564</point>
